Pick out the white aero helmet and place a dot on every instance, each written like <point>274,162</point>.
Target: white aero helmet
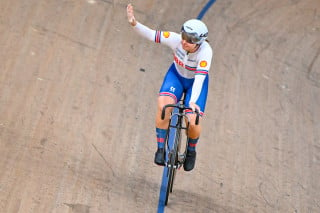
<point>194,31</point>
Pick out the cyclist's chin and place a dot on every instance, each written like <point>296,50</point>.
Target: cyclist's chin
<point>188,47</point>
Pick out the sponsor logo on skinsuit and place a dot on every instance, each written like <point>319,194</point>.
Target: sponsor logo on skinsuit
<point>203,64</point>
<point>176,59</point>
<point>166,34</point>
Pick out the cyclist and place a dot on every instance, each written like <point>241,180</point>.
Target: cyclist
<point>188,74</point>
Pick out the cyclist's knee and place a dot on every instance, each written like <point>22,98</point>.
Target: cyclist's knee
<point>194,127</point>
<point>164,100</point>
<point>192,124</point>
<point>192,118</point>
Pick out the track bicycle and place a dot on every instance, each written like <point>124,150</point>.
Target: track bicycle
<point>175,154</point>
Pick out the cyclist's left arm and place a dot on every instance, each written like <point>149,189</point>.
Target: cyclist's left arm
<point>170,39</point>
<point>201,73</point>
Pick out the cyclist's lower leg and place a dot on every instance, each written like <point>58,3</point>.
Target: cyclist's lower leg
<point>193,137</point>
<point>193,132</point>
<point>161,127</point>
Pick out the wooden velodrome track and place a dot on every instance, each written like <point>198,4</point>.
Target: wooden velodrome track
<point>78,95</point>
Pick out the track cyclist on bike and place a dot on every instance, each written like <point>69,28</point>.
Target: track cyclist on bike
<point>188,74</point>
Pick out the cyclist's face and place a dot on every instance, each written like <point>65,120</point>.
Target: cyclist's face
<point>188,46</point>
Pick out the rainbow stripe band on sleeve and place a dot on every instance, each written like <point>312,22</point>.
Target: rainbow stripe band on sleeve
<point>157,37</point>
<point>201,72</point>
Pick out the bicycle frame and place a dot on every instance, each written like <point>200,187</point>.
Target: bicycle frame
<point>176,148</point>
<point>174,158</point>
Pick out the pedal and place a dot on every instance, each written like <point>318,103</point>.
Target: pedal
<point>181,158</point>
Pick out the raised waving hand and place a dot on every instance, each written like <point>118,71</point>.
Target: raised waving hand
<point>130,15</point>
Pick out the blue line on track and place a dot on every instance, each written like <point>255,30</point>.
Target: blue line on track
<point>205,9</point>
<point>161,205</point>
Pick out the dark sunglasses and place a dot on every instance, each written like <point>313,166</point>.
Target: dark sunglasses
<point>190,38</point>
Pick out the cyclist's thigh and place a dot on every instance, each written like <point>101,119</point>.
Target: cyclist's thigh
<point>171,85</point>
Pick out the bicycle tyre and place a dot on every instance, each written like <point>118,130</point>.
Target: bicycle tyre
<point>175,156</point>
<point>171,172</point>
<point>173,162</point>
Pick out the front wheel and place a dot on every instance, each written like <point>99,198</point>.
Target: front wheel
<point>170,177</point>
